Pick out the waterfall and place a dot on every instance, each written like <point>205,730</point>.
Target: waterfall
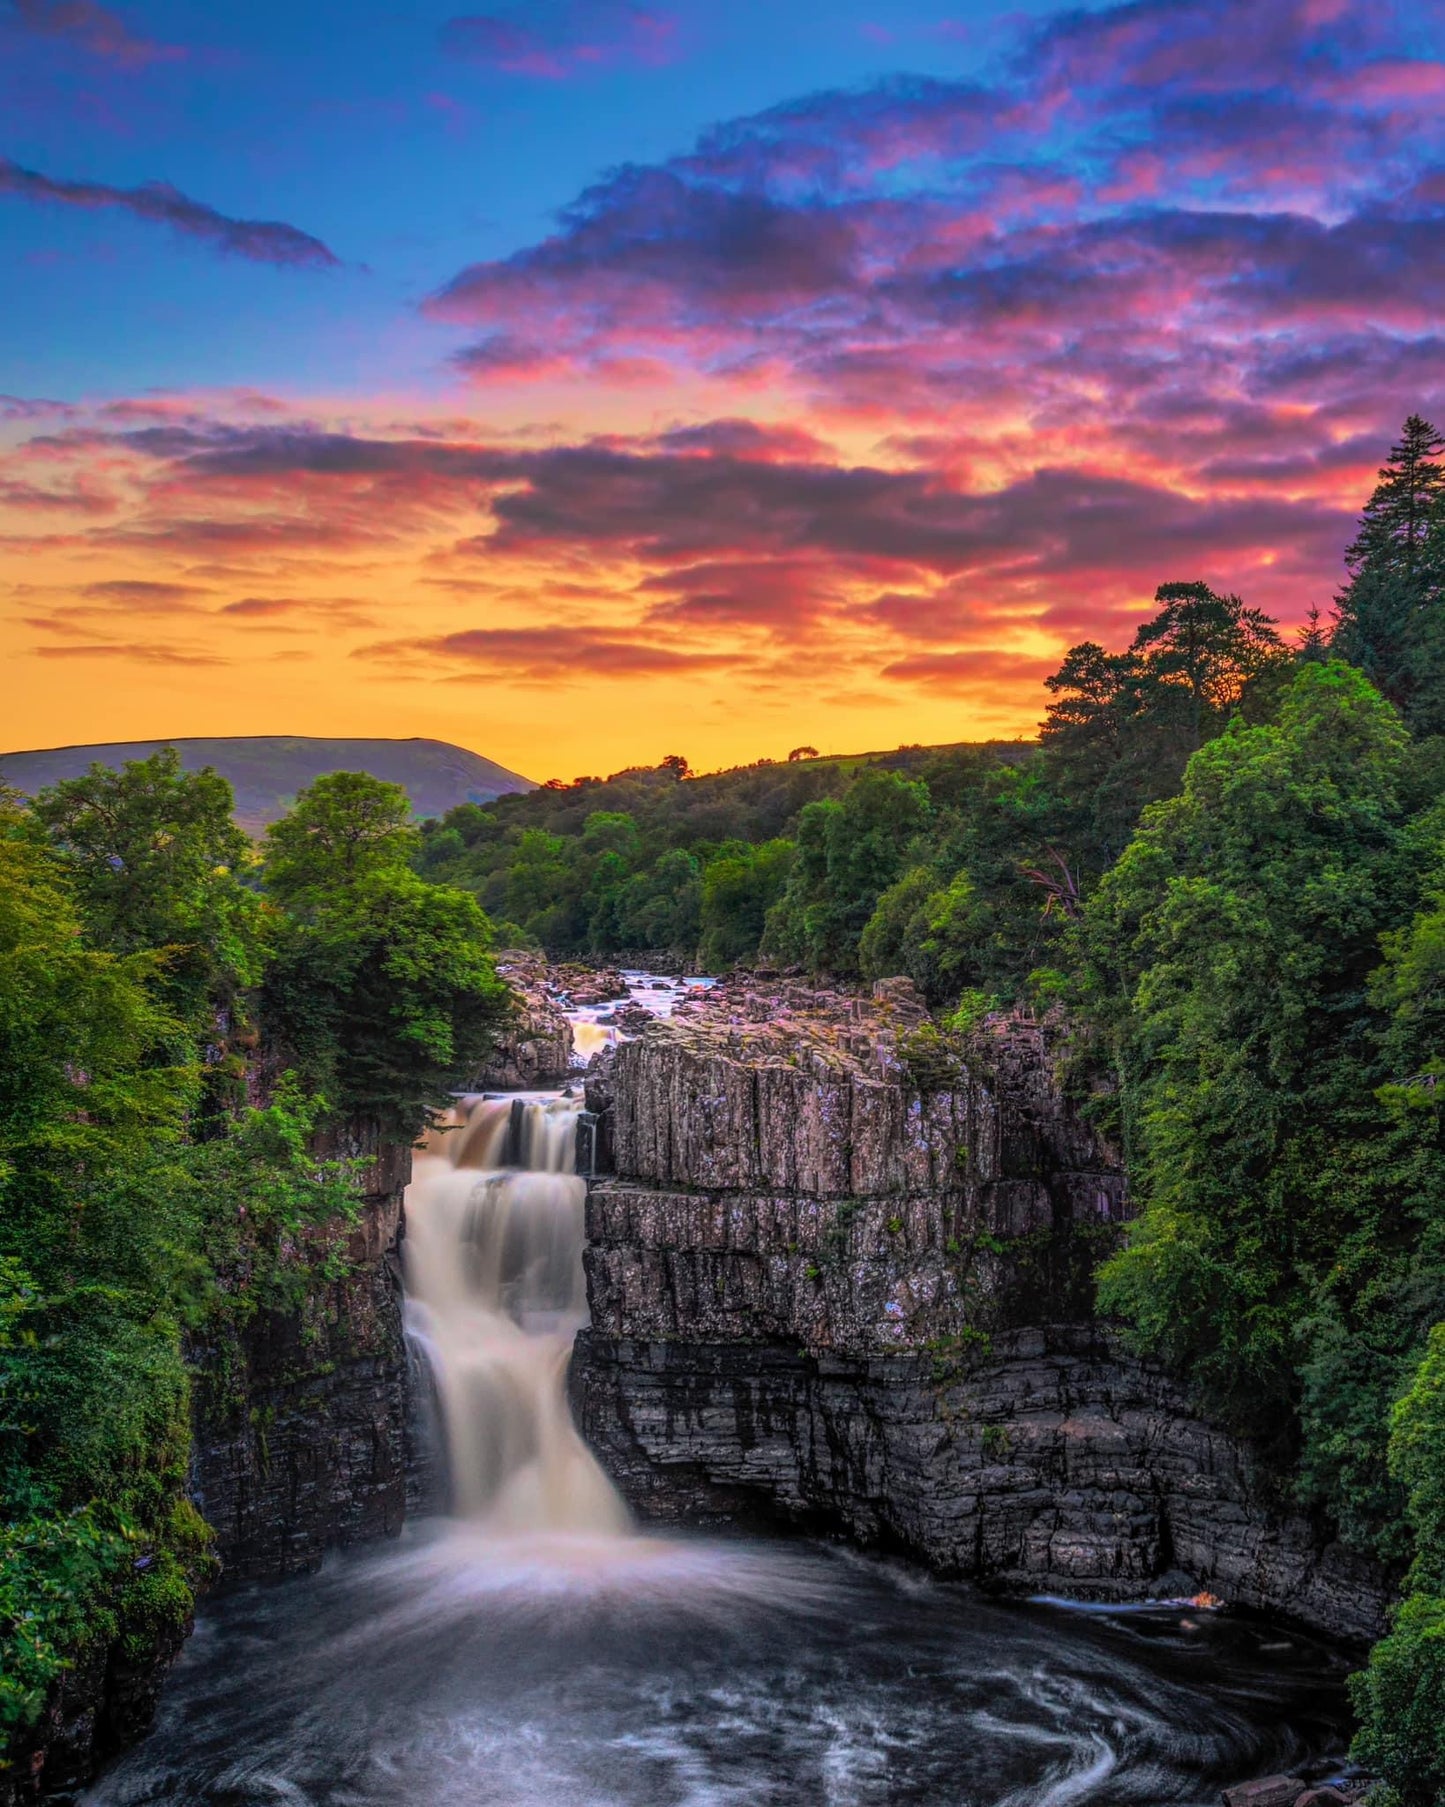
<point>495,1295</point>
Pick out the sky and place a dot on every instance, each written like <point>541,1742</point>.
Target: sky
<point>586,382</point>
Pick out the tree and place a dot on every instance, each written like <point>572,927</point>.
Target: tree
<point>381,990</point>
<point>848,854</point>
<point>1236,937</point>
<point>740,884</point>
<point>1207,646</point>
<point>1400,1697</point>
<point>384,997</point>
<point>1400,1701</point>
<point>93,1246</point>
<point>660,907</point>
<point>1403,513</point>
<point>802,753</point>
<point>930,932</point>
<point>343,826</point>
<point>1390,616</point>
<point>155,861</point>
<point>1122,726</point>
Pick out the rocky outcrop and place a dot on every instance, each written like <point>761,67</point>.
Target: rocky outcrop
<point>1052,1464</point>
<point>534,1048</point>
<point>104,1702</point>
<point>300,1443</point>
<point>840,1277</point>
<point>301,1422</point>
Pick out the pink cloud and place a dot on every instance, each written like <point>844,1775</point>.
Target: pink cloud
<point>89,27</point>
<point>553,44</point>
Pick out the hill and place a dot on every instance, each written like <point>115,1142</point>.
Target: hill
<point>267,770</point>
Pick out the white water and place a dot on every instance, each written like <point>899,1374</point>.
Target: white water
<point>592,1025</point>
<point>531,1653</point>
<point>495,1296</point>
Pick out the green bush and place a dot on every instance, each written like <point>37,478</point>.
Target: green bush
<point>1400,1700</point>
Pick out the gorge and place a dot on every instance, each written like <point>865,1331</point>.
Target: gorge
<point>821,1277</point>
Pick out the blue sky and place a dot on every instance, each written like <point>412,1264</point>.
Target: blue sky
<point>357,123</point>
<point>597,380</point>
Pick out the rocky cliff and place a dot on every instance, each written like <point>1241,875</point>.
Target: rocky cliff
<point>301,1422</point>
<point>535,1047</point>
<point>300,1443</point>
<point>839,1276</point>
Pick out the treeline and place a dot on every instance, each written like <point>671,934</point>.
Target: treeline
<point>960,866</point>
<point>1258,985</point>
<point>180,1015</point>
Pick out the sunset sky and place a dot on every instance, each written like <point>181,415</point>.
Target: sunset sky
<point>588,382</point>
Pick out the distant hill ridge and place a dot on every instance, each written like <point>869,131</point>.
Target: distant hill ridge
<point>267,770</point>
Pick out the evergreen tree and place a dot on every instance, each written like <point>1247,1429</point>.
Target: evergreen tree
<point>1123,725</point>
<point>1390,616</point>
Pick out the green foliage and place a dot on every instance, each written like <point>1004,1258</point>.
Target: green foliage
<point>56,1574</point>
<point>272,1217</point>
<point>133,1207</point>
<point>740,885</point>
<point>1417,1461</point>
<point>344,827</point>
<point>1400,1701</point>
<point>1238,932</point>
<point>93,1234</point>
<point>1390,616</point>
<point>933,934</point>
<point>383,994</point>
<point>1400,1697</point>
<point>849,853</point>
<point>380,990</point>
<point>931,1058</point>
<point>1123,725</point>
<point>155,862</point>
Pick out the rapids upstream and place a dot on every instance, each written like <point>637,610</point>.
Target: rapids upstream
<point>534,1649</point>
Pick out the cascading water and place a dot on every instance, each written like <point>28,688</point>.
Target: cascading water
<point>527,1655</point>
<point>495,1295</point>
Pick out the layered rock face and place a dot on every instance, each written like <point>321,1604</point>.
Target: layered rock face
<point>301,1423</point>
<point>535,1048</point>
<point>841,1277</point>
<point>300,1443</point>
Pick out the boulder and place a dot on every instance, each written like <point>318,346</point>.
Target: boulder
<point>1268,1791</point>
<point>535,1047</point>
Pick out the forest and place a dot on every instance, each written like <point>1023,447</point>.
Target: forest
<point>159,1180</point>
<point>1222,864</point>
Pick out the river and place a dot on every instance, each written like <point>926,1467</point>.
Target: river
<point>533,1648</point>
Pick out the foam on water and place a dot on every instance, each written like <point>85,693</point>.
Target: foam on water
<point>576,1670</point>
<point>535,1650</point>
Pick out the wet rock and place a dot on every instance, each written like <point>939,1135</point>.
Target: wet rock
<point>1048,1463</point>
<point>1270,1791</point>
<point>301,1420</point>
<point>583,986</point>
<point>535,1047</point>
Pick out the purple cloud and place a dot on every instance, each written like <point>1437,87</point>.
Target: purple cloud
<point>553,44</point>
<point>263,241</point>
<point>90,27</point>
<point>1138,231</point>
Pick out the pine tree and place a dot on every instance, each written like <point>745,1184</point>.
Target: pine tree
<point>1404,510</point>
<point>1390,616</point>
